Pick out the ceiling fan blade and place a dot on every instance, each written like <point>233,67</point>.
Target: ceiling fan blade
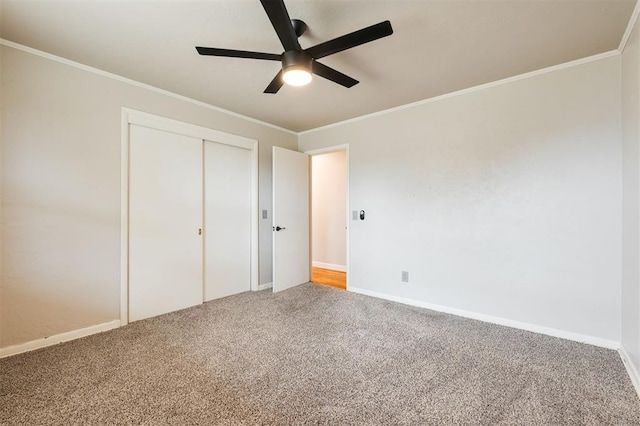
<point>350,40</point>
<point>213,51</point>
<point>279,17</point>
<point>333,75</point>
<point>275,84</point>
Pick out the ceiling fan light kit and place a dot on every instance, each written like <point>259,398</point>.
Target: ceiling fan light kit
<point>296,77</point>
<point>296,67</point>
<point>299,64</point>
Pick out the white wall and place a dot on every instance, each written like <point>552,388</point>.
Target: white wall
<point>61,190</point>
<point>329,207</point>
<point>631,200</point>
<point>504,201</point>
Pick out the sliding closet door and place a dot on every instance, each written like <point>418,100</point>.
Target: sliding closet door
<point>165,222</point>
<point>227,178</point>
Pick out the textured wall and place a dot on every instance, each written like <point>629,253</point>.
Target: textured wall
<point>505,201</point>
<point>631,198</point>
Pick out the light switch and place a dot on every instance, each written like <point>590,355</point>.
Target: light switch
<point>354,215</point>
<point>264,214</point>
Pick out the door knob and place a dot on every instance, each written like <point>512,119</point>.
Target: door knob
<point>278,228</point>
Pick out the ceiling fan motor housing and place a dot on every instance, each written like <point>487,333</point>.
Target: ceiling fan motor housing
<point>296,59</point>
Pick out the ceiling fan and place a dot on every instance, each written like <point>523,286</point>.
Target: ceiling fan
<point>298,64</point>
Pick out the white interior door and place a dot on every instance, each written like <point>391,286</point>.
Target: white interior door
<point>165,216</point>
<point>290,218</point>
<point>227,189</point>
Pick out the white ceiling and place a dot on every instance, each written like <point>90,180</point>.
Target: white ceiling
<point>437,47</point>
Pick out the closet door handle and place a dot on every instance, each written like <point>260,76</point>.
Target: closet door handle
<point>199,231</point>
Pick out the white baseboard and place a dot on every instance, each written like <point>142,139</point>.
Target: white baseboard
<point>582,338</point>
<point>631,369</point>
<point>58,338</point>
<point>265,286</point>
<point>331,266</point>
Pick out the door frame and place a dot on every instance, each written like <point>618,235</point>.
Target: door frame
<point>320,151</point>
<point>131,116</point>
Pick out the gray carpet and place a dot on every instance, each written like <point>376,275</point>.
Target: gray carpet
<point>316,355</point>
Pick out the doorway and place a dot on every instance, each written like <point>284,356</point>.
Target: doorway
<point>329,210</point>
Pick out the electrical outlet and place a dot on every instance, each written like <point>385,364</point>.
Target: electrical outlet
<point>264,214</point>
<point>405,277</point>
<point>354,215</point>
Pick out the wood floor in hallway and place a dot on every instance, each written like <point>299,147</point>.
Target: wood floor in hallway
<point>329,277</point>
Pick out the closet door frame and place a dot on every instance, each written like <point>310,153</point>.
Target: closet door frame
<point>139,118</point>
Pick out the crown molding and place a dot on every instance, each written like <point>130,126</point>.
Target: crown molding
<point>126,80</point>
<point>630,25</point>
<point>507,80</point>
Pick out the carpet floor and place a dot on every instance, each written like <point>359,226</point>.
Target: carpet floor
<point>316,355</point>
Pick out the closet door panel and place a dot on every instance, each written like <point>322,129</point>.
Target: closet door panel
<point>227,220</point>
<point>165,216</point>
